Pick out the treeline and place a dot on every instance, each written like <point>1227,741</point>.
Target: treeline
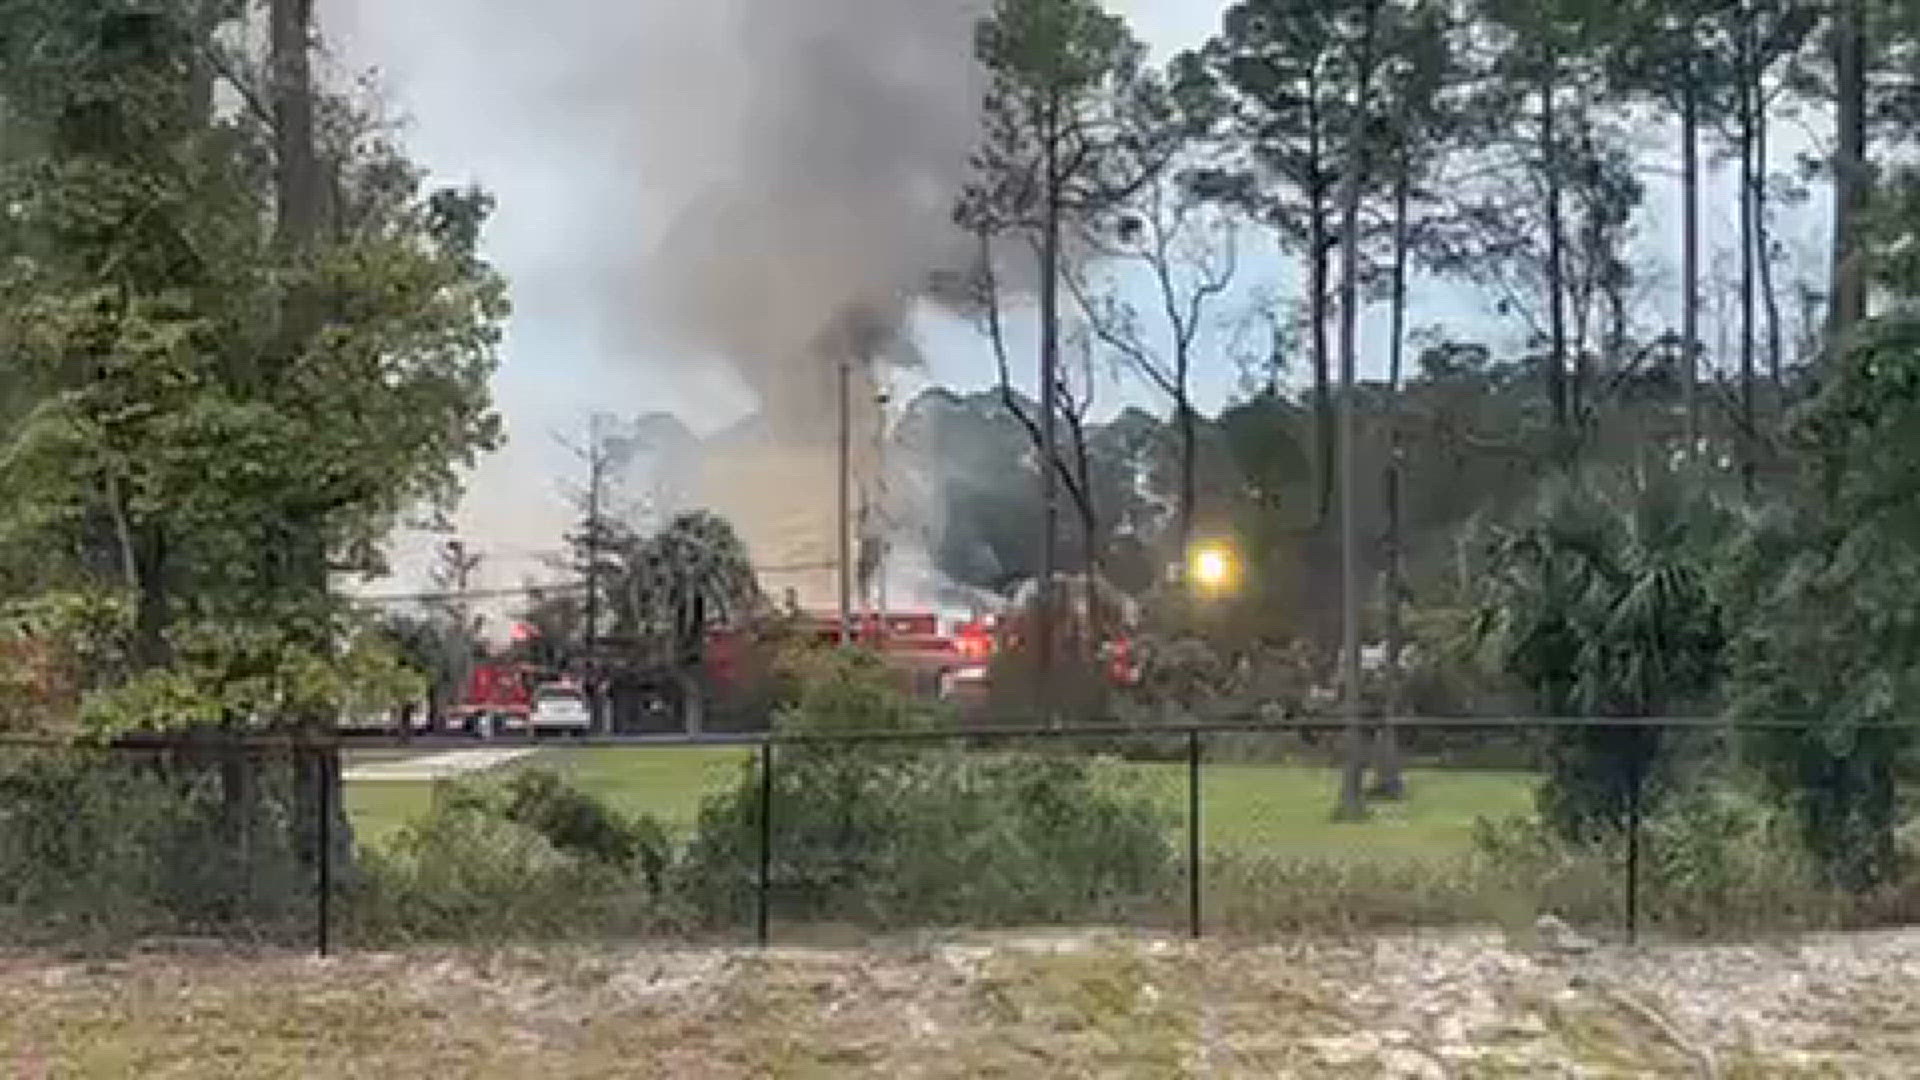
<point>1689,492</point>
<point>1373,143</point>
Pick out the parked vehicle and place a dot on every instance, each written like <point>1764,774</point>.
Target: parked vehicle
<point>560,707</point>
<point>497,699</point>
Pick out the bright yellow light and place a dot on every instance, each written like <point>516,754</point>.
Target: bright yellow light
<point>1212,567</point>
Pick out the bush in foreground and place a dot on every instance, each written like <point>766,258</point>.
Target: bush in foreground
<point>533,857</point>
<point>930,837</point>
<point>100,846</point>
<point>909,833</point>
<point>1719,862</point>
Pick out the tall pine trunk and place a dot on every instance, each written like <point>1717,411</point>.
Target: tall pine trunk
<point>1557,391</point>
<point>1389,781</point>
<point>1189,440</point>
<point>1763,247</point>
<point>1352,805</point>
<point>1690,251</point>
<point>1049,407</point>
<point>1850,173</point>
<point>1749,432</point>
<point>1324,424</point>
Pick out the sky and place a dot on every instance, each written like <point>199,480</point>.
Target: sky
<point>594,122</point>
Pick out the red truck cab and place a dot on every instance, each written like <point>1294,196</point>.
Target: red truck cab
<point>497,697</point>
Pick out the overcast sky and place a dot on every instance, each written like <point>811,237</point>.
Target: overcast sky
<point>551,105</point>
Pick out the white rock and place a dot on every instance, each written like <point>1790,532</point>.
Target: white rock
<point>1555,934</point>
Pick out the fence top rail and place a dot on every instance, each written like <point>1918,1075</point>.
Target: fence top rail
<point>381,739</point>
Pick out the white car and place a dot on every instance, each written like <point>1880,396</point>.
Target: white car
<point>560,707</point>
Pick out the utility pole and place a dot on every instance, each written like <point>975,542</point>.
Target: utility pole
<point>845,499</point>
<point>882,522</point>
<point>596,479</point>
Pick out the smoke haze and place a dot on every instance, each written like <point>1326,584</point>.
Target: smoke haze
<point>819,186</point>
<point>747,175</point>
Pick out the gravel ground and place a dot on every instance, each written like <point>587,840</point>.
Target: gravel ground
<point>1090,1004</point>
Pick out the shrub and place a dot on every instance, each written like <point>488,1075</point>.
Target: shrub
<point>1599,602</point>
<point>835,690</point>
<point>895,836</point>
<point>112,845</point>
<point>532,857</point>
<point>576,822</point>
<point>1715,862</point>
<point>892,833</point>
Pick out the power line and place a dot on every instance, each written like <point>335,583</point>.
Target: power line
<point>558,587</point>
<point>469,594</point>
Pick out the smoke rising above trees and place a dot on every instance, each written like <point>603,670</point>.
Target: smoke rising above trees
<point>822,202</point>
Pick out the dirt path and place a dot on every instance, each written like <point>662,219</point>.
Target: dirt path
<point>441,766</point>
<point>1080,1005</point>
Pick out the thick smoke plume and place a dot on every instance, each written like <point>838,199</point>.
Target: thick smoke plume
<point>815,176</point>
<point>695,187</point>
<point>809,184</point>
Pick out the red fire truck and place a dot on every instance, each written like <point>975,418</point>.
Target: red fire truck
<point>498,697</point>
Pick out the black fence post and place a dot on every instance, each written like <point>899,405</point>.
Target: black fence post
<point>1633,850</point>
<point>766,841</point>
<point>1193,834</point>
<point>323,775</point>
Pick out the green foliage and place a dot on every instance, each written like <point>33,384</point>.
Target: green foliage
<point>534,856</point>
<point>674,584</point>
<point>462,871</point>
<point>111,845</point>
<point>842,691</point>
<point>575,822</point>
<point>1059,73</point>
<point>910,833</point>
<point>1600,603</point>
<point>199,418</point>
<point>1829,641</point>
<point>223,673</point>
<point>1718,861</point>
<point>932,837</point>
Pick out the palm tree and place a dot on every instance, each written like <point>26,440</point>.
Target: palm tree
<point>692,574</point>
<point>1599,603</point>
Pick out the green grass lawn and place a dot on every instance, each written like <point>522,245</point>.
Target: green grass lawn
<point>1287,809</point>
<point>1270,809</point>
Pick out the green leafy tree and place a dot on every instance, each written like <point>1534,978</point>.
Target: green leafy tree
<point>194,446</point>
<point>1828,647</point>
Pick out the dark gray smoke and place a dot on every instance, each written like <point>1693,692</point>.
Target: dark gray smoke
<point>809,185</point>
<point>697,186</point>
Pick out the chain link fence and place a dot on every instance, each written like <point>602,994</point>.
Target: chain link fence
<point>1215,830</point>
